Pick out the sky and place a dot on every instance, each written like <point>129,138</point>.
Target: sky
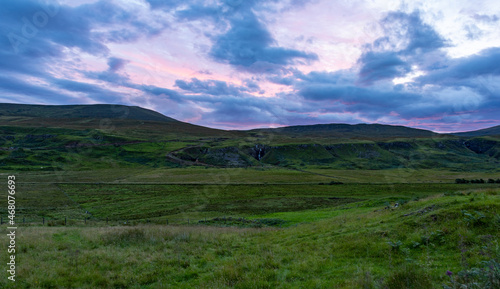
<point>242,64</point>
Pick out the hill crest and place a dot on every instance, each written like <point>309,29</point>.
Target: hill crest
<point>113,111</point>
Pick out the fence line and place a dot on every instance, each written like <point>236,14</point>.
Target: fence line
<point>66,221</point>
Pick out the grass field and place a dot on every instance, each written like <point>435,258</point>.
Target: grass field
<point>117,197</point>
<point>255,228</point>
<point>366,244</point>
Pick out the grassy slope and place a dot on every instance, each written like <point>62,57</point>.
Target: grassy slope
<point>491,131</point>
<point>342,231</point>
<point>32,139</point>
<point>99,111</point>
<point>349,249</point>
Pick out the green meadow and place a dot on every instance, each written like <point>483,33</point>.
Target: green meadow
<point>255,228</point>
<point>150,202</point>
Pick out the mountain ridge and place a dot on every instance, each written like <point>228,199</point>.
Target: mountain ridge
<point>112,111</point>
<point>124,112</point>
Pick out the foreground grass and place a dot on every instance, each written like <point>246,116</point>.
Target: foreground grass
<point>373,246</point>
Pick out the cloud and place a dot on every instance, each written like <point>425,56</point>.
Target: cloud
<point>211,87</point>
<point>482,64</point>
<point>42,36</point>
<point>248,45</point>
<point>92,91</point>
<point>112,74</point>
<point>15,86</point>
<point>216,87</point>
<point>485,18</point>
<point>405,43</point>
<point>382,65</point>
<point>50,54</point>
<point>157,4</point>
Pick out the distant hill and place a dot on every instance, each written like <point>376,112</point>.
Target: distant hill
<point>482,132</point>
<point>83,111</point>
<point>351,131</point>
<point>128,121</point>
<point>86,137</point>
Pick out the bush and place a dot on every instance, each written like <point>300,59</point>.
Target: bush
<point>474,219</point>
<point>487,277</point>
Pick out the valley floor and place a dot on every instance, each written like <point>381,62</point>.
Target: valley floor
<point>288,229</point>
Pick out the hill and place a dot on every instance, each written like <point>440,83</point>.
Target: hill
<point>86,137</point>
<point>111,111</point>
<point>130,122</point>
<point>365,131</point>
<point>495,130</point>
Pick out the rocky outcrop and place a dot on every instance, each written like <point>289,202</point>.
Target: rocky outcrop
<point>480,146</point>
<point>258,151</point>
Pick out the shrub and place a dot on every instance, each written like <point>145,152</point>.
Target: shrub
<point>487,277</point>
<point>475,219</point>
<point>395,245</point>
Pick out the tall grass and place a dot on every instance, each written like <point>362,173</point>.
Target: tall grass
<point>348,250</point>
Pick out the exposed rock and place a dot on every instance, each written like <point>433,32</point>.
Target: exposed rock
<point>480,146</point>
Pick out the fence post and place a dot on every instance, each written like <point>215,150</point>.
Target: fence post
<point>106,220</point>
<point>167,221</point>
<point>188,221</point>
<point>43,220</point>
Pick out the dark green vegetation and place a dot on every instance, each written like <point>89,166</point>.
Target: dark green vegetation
<point>101,111</point>
<point>104,136</point>
<point>333,206</point>
<point>482,132</point>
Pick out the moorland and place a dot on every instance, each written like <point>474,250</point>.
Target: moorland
<point>111,196</point>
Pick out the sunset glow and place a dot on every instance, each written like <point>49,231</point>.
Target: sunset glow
<point>235,64</point>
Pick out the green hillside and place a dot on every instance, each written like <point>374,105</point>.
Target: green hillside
<point>363,131</point>
<point>112,111</point>
<point>482,132</point>
<point>149,202</point>
<point>34,137</point>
